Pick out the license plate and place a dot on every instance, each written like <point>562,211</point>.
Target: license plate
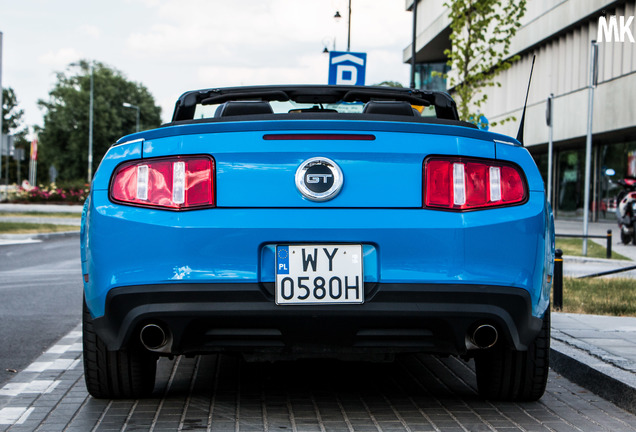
<point>319,274</point>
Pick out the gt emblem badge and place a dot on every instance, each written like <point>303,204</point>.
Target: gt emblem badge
<point>319,179</point>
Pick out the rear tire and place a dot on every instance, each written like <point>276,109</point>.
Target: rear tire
<point>625,238</point>
<point>125,374</point>
<point>511,375</point>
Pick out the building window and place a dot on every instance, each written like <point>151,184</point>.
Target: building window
<point>610,163</point>
<point>426,80</point>
<point>620,157</point>
<point>569,193</point>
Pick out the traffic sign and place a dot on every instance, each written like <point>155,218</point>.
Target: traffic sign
<point>34,149</point>
<point>347,68</point>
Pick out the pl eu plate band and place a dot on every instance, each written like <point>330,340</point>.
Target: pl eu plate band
<point>319,179</point>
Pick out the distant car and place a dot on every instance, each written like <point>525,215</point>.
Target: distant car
<point>288,222</point>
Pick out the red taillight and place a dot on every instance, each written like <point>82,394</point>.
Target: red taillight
<point>176,182</point>
<point>466,184</point>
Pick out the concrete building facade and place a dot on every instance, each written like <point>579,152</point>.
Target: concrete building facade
<point>559,33</point>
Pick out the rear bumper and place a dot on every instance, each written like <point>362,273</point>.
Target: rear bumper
<point>243,317</point>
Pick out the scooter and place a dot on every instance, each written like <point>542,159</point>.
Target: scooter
<point>626,210</point>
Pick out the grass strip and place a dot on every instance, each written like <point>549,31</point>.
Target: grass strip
<point>574,247</point>
<point>33,228</point>
<point>600,296</point>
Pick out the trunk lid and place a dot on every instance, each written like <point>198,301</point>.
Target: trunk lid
<point>380,162</point>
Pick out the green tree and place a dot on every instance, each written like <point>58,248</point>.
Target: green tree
<point>11,113</point>
<point>389,84</point>
<point>63,140</point>
<point>13,124</point>
<point>481,32</point>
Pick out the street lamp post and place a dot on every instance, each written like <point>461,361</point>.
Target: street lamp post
<point>549,115</point>
<point>127,105</point>
<point>1,102</point>
<point>337,16</point>
<point>593,78</point>
<point>326,42</point>
<point>90,132</point>
<point>349,29</point>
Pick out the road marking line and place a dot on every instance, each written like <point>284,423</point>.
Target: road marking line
<point>37,386</point>
<point>10,416</point>
<point>62,364</point>
<point>13,389</point>
<point>6,242</point>
<point>58,349</point>
<point>76,347</point>
<point>40,272</point>
<point>38,366</point>
<point>59,364</point>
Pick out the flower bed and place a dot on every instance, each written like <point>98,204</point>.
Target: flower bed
<point>50,193</point>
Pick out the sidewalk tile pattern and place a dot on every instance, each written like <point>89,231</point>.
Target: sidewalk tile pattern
<point>221,393</point>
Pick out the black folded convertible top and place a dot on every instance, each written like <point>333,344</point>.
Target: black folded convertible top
<point>445,107</point>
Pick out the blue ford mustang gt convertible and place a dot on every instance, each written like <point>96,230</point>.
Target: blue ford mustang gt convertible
<point>288,222</point>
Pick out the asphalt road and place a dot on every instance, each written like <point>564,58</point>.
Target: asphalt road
<point>40,298</point>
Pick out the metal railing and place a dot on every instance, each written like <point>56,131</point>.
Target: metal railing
<point>608,236</point>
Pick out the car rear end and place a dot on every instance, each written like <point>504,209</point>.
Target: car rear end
<point>224,252</point>
<point>317,221</point>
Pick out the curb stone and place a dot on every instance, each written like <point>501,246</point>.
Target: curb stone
<point>580,259</point>
<point>593,371</point>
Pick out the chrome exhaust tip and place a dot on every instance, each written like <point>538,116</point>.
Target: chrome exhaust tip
<point>484,336</point>
<point>153,337</point>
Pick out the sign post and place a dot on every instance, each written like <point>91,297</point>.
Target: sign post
<point>347,68</point>
<point>548,118</point>
<point>588,142</point>
<point>1,105</point>
<point>33,162</point>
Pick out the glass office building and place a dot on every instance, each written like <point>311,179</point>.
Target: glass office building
<point>559,33</point>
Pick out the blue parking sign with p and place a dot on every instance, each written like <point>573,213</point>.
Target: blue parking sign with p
<point>347,68</point>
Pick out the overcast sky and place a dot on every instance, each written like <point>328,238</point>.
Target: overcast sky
<point>171,46</point>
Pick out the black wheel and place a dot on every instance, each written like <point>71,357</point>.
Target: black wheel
<point>625,238</point>
<point>506,374</point>
<point>125,374</point>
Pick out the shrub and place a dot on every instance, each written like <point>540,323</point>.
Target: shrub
<point>51,193</point>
